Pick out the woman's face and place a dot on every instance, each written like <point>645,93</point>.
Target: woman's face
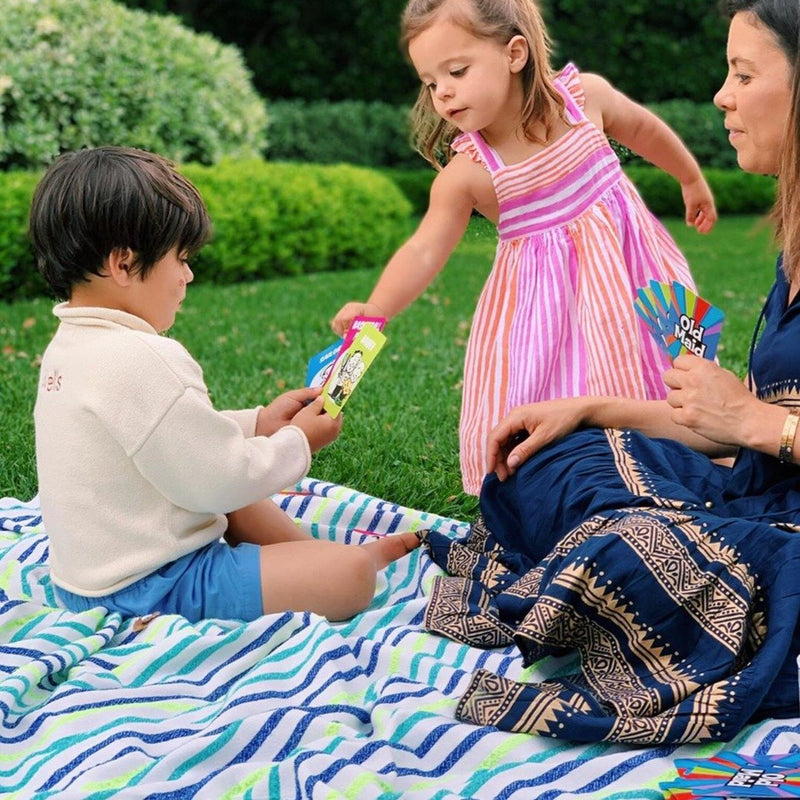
<point>756,95</point>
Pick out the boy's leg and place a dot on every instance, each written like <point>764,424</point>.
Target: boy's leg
<point>335,580</point>
<point>263,523</point>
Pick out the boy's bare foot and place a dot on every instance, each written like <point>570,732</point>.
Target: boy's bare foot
<point>392,547</point>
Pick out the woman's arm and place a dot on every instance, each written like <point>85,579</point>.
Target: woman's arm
<point>707,408</point>
<point>527,429</point>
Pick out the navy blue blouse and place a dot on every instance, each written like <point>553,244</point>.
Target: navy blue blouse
<point>775,374</point>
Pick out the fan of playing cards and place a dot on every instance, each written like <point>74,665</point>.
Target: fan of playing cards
<point>679,320</point>
<point>735,776</point>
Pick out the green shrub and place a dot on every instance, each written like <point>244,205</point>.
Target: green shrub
<point>415,185</point>
<point>378,134</point>
<point>91,73</point>
<point>700,127</point>
<point>269,219</point>
<point>735,191</point>
<point>18,274</point>
<point>373,134</point>
<point>285,219</point>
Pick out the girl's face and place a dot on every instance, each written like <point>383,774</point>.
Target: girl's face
<point>756,95</point>
<point>473,82</point>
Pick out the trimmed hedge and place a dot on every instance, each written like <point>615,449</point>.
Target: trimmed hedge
<point>735,191</point>
<point>372,134</point>
<point>281,219</point>
<point>269,220</point>
<point>700,127</point>
<point>379,134</point>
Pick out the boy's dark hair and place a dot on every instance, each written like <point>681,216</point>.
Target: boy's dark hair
<point>91,202</point>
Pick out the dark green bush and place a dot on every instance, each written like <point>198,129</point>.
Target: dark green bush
<point>700,126</point>
<point>415,185</point>
<point>379,134</point>
<point>75,74</point>
<point>373,134</point>
<point>269,219</point>
<point>735,191</point>
<point>18,274</point>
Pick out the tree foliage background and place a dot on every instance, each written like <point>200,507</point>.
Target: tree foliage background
<point>347,49</point>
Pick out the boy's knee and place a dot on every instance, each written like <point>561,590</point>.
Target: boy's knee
<point>361,579</point>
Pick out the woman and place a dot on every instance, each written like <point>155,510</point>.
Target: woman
<point>672,575</point>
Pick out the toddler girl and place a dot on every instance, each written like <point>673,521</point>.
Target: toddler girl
<point>528,149</point>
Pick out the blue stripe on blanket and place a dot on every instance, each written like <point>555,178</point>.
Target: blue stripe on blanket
<point>288,706</point>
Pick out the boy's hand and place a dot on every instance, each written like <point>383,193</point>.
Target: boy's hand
<point>318,425</point>
<point>282,410</point>
<point>347,313</point>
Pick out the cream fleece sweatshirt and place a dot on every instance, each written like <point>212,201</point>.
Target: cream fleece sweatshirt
<point>136,468</point>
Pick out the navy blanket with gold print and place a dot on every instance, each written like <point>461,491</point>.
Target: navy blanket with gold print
<point>625,550</point>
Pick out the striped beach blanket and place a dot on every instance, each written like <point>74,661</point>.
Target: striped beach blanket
<point>287,706</point>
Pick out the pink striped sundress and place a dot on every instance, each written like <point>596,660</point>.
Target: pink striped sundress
<point>555,317</point>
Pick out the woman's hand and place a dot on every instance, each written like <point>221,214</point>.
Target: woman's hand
<point>282,410</point>
<point>527,429</point>
<point>712,401</point>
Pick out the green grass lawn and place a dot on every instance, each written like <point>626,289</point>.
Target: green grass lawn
<point>399,439</point>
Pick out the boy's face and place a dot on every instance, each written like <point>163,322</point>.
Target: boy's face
<point>157,297</point>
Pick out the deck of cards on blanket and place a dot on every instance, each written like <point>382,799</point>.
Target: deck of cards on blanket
<point>339,367</point>
<point>679,320</point>
<point>734,775</point>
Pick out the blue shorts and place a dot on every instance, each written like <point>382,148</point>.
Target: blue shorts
<point>216,582</point>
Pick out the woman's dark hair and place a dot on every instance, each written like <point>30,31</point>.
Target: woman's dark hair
<point>782,19</point>
<point>94,201</point>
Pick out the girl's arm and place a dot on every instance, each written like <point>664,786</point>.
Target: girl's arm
<point>638,129</point>
<point>411,269</point>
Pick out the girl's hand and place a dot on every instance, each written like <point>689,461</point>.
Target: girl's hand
<point>319,427</point>
<point>282,410</point>
<point>711,401</point>
<point>347,313</point>
<point>527,429</point>
<point>701,213</point>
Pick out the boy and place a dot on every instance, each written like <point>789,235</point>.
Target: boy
<point>139,476</point>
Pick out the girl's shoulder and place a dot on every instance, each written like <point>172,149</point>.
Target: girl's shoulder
<point>475,148</point>
<point>569,78</point>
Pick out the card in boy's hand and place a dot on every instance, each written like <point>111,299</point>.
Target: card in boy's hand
<point>679,320</point>
<point>321,364</point>
<point>350,366</point>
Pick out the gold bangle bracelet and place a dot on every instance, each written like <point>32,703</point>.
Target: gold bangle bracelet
<point>788,436</point>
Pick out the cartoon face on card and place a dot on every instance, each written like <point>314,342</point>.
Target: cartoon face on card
<point>321,364</point>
